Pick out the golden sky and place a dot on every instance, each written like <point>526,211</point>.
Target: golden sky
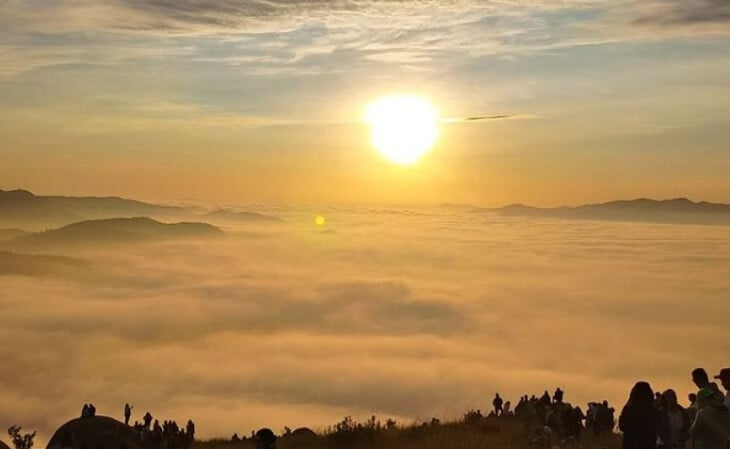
<point>264,101</point>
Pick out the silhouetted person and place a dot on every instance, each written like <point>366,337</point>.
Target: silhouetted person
<point>711,428</point>
<point>235,438</point>
<point>692,409</point>
<point>576,429</point>
<point>147,418</point>
<point>545,399</point>
<point>190,428</point>
<point>85,411</point>
<point>507,408</point>
<point>675,423</point>
<point>639,420</point>
<point>92,410</point>
<point>700,378</point>
<point>558,395</point>
<point>127,413</point>
<point>603,419</point>
<point>724,377</point>
<point>265,439</point>
<point>497,403</point>
<point>157,434</point>
<point>692,398</point>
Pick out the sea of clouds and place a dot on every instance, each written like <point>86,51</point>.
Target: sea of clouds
<point>402,313</point>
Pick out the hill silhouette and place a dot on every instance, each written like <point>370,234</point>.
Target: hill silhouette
<point>96,432</point>
<point>241,216</point>
<point>21,208</point>
<point>674,211</point>
<point>123,230</point>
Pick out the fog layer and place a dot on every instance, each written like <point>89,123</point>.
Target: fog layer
<point>402,313</point>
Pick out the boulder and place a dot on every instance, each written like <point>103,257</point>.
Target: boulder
<point>304,433</point>
<point>95,432</point>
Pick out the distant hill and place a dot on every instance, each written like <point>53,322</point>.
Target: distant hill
<point>123,230</point>
<point>241,216</point>
<point>23,209</point>
<point>679,210</point>
<point>37,265</point>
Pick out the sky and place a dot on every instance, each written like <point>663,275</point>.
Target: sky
<point>409,312</point>
<point>264,100</point>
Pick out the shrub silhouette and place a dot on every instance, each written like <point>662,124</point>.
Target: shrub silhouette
<point>21,441</point>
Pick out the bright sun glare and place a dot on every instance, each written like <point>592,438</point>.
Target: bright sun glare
<point>403,127</point>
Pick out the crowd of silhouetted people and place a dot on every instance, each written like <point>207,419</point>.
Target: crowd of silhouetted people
<point>551,416</point>
<point>649,420</point>
<point>152,434</point>
<point>168,435</point>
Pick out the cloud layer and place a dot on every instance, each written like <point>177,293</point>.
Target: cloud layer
<point>410,314</point>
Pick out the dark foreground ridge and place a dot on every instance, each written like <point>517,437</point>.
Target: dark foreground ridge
<point>648,420</point>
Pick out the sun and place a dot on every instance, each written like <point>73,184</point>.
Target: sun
<point>403,127</point>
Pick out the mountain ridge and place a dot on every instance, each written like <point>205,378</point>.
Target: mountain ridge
<point>675,210</point>
<point>241,216</point>
<point>115,230</point>
<point>21,208</point>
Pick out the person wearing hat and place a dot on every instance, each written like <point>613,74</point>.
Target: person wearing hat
<point>724,377</point>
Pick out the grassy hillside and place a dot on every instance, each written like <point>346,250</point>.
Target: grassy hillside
<point>484,433</point>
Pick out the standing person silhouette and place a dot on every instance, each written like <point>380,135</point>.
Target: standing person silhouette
<point>640,420</point>
<point>675,423</point>
<point>127,413</point>
<point>724,378</point>
<point>497,403</point>
<point>701,379</point>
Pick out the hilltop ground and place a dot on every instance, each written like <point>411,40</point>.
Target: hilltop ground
<point>483,433</point>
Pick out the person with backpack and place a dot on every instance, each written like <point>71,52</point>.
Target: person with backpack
<point>711,428</point>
